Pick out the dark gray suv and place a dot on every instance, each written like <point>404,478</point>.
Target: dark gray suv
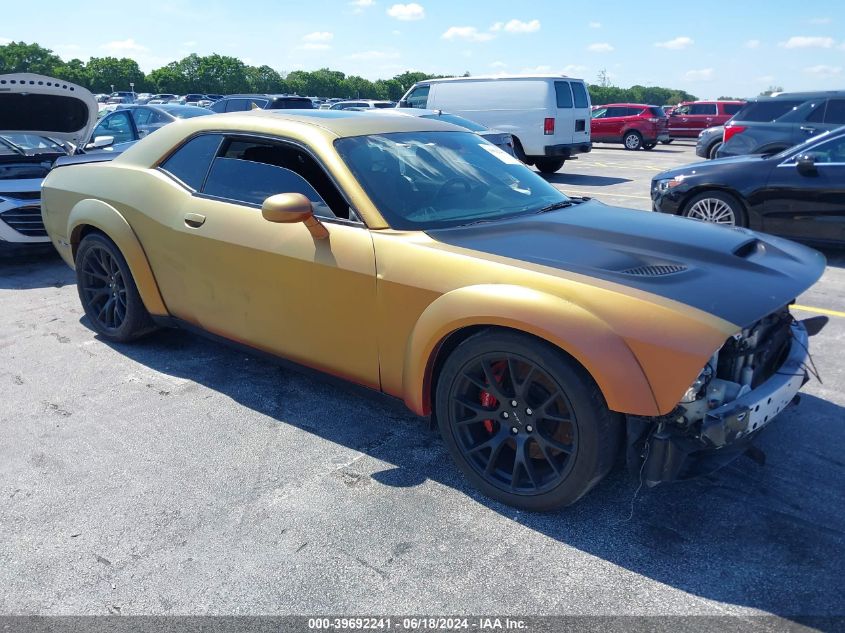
<point>768,125</point>
<point>242,103</point>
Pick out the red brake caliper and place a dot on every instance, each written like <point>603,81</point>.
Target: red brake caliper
<point>487,399</point>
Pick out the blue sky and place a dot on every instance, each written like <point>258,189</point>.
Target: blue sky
<point>708,48</point>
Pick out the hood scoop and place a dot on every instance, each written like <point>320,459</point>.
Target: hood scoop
<point>655,270</point>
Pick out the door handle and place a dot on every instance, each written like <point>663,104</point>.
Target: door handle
<point>808,128</point>
<point>194,220</point>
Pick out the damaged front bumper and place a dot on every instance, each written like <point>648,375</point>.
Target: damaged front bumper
<point>663,450</point>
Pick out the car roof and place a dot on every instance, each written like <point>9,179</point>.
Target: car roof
<point>263,95</point>
<point>314,127</point>
<point>629,105</point>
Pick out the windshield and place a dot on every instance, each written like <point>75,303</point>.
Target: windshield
<point>429,180</point>
<point>766,111</point>
<point>32,144</point>
<point>185,112</point>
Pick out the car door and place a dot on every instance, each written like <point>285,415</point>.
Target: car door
<point>271,286</point>
<point>809,205</point>
<point>598,125</point>
<point>701,115</point>
<point>614,121</point>
<point>119,125</point>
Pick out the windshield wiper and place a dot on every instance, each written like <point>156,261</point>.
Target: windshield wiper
<point>556,205</point>
<point>13,146</point>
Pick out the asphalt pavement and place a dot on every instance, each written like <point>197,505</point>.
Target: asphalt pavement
<point>177,476</point>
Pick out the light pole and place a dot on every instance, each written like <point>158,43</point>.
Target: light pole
<point>112,88</point>
<point>132,89</point>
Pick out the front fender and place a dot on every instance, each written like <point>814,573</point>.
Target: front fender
<point>582,335</point>
<point>107,219</point>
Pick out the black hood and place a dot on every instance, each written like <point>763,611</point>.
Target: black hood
<point>706,169</point>
<point>735,274</point>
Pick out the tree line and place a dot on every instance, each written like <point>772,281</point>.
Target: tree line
<point>222,74</point>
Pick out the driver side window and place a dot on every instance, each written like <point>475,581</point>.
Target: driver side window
<point>251,171</point>
<point>831,152</point>
<point>118,125</point>
<point>419,97</point>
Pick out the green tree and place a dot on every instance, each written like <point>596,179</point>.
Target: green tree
<point>105,72</point>
<point>771,89</point>
<point>20,57</point>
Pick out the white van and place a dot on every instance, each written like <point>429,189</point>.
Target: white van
<point>547,115</point>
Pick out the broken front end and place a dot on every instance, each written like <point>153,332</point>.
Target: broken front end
<point>754,376</point>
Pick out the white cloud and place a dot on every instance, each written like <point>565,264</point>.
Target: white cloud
<point>467,33</point>
<point>122,47</point>
<point>808,41</point>
<point>819,21</point>
<point>574,70</point>
<point>600,47</point>
<point>752,44</point>
<point>537,70</point>
<point>765,79</point>
<point>498,65</point>
<point>395,32</point>
<point>517,26</point>
<point>359,5</point>
<point>705,74</point>
<point>318,36</point>
<point>315,46</point>
<point>189,44</point>
<point>595,25</point>
<point>823,71</point>
<point>676,44</point>
<point>373,55</point>
<point>406,12</point>
<point>4,41</point>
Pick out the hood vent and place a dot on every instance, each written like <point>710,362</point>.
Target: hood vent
<point>655,270</point>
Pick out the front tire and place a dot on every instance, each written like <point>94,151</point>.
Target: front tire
<point>667,142</point>
<point>108,292</point>
<point>716,207</point>
<point>632,140</point>
<point>542,453</point>
<point>549,165</point>
<point>649,146</point>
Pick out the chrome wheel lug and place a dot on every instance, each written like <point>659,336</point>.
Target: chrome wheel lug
<point>514,430</point>
<point>513,403</point>
<point>529,412</point>
<point>529,428</point>
<point>505,415</point>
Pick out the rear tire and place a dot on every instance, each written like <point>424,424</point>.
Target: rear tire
<point>108,292</point>
<point>632,140</point>
<point>649,146</point>
<point>546,451</point>
<point>711,153</point>
<point>549,165</point>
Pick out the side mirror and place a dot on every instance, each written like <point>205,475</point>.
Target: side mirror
<point>100,142</point>
<point>806,165</point>
<point>403,103</point>
<point>289,208</point>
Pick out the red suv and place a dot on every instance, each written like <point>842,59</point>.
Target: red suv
<point>635,125</point>
<point>690,117</point>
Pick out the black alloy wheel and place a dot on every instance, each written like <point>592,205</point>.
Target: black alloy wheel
<point>524,425</point>
<point>108,292</point>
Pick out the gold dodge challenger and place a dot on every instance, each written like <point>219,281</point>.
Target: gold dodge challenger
<point>545,335</point>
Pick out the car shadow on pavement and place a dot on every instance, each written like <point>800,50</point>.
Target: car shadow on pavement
<point>764,537</point>
<point>35,271</point>
<point>586,180</point>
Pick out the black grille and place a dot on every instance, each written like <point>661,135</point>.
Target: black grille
<point>655,270</point>
<point>25,220</point>
<point>21,195</point>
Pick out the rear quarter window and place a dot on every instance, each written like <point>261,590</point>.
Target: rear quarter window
<point>731,108</point>
<point>189,164</point>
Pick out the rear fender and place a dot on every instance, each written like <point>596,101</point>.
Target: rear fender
<point>590,341</point>
<point>104,217</point>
